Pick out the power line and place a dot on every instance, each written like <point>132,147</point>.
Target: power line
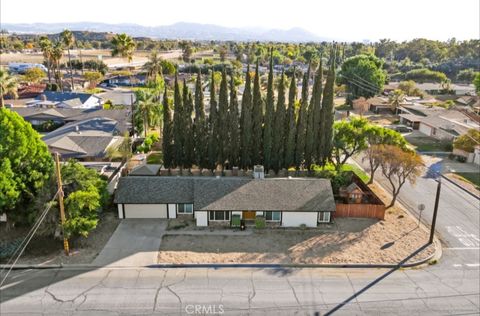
<point>28,238</point>
<point>368,83</point>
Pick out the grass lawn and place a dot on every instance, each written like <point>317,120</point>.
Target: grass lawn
<point>155,158</point>
<point>359,172</point>
<point>472,177</point>
<point>425,143</point>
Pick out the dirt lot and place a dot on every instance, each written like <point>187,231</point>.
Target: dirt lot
<point>46,250</point>
<point>348,240</point>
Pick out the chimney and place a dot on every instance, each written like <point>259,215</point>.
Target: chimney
<point>258,172</point>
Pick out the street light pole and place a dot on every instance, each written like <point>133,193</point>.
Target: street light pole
<point>435,210</point>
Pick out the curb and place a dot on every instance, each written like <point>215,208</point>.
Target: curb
<point>460,187</point>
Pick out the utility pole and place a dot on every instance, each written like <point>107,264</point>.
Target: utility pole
<point>133,116</point>
<point>435,210</point>
<point>60,202</point>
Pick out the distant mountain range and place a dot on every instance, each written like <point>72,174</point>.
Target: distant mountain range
<point>181,30</point>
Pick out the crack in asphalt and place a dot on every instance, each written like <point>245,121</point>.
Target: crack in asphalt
<point>250,298</point>
<point>294,292</point>
<point>158,291</point>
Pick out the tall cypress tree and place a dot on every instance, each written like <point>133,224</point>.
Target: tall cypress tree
<point>167,132</point>
<point>269,117</point>
<point>212,126</point>
<point>291,124</point>
<point>188,146</point>
<point>233,126</point>
<point>302,122</point>
<point>200,125</point>
<point>328,110</point>
<point>177,125</point>
<point>246,123</point>
<point>279,136</point>
<point>222,120</point>
<point>257,118</point>
<point>314,115</point>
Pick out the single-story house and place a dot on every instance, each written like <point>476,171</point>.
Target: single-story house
<point>214,201</point>
<point>69,100</point>
<point>87,140</point>
<point>438,122</point>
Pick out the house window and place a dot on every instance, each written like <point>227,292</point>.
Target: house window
<point>219,215</point>
<point>184,208</point>
<point>272,216</point>
<point>324,217</point>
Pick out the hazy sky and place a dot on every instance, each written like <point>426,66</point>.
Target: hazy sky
<point>340,19</point>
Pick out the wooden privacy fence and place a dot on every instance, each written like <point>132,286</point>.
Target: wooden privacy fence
<point>360,210</point>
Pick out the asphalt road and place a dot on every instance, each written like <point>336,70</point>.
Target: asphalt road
<point>451,287</point>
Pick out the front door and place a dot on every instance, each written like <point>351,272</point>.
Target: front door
<point>249,214</point>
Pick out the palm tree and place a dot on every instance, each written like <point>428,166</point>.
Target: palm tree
<point>55,57</point>
<point>46,47</point>
<point>8,85</point>
<point>123,46</point>
<point>68,39</point>
<point>153,66</point>
<point>396,99</point>
<point>147,108</point>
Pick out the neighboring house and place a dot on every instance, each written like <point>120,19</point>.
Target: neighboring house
<point>133,80</point>
<point>31,90</point>
<point>60,116</point>
<point>214,201</point>
<point>457,89</point>
<point>70,100</point>
<point>86,140</point>
<point>438,122</point>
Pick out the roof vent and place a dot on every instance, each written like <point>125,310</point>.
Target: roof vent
<point>289,177</point>
<point>217,177</point>
<point>77,129</point>
<point>258,172</point>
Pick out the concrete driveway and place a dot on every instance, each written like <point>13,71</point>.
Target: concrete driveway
<point>135,242</point>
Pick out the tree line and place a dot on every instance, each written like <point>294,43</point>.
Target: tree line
<point>270,129</point>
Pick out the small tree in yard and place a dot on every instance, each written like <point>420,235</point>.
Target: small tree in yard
<point>376,136</point>
<point>93,77</point>
<point>349,139</point>
<point>34,75</point>
<point>398,166</point>
<point>85,193</point>
<point>468,141</point>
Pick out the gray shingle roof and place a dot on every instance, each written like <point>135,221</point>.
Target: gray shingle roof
<point>64,96</point>
<point>236,194</point>
<point>151,190</point>
<point>146,170</point>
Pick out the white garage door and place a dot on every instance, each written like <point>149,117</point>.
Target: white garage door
<point>145,210</point>
<point>425,129</point>
<point>295,219</point>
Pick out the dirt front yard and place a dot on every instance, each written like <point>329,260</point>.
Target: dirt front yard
<point>47,250</point>
<point>348,240</point>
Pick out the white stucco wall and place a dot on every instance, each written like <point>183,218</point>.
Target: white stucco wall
<point>172,211</point>
<point>120,213</point>
<point>202,218</point>
<point>295,219</point>
<point>145,210</point>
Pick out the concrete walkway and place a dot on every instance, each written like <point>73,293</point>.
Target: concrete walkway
<point>135,242</point>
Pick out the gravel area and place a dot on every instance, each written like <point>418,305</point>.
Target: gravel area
<point>47,250</point>
<point>348,240</point>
